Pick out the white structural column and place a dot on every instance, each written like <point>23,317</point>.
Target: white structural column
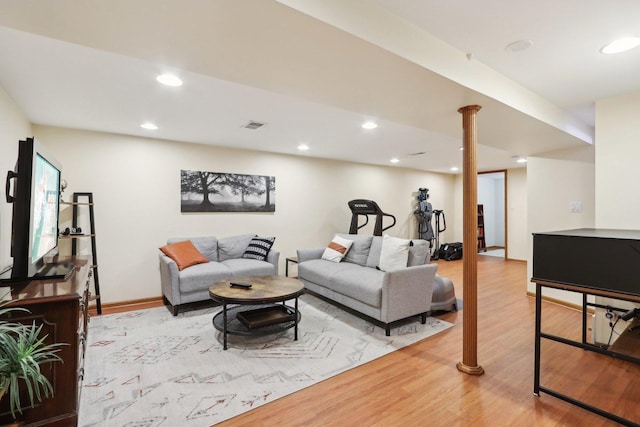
<point>469,364</point>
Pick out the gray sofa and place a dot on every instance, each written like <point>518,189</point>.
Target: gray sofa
<point>359,285</point>
<point>225,256</point>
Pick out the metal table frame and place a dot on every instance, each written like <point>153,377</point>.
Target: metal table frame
<point>225,320</point>
<point>537,387</point>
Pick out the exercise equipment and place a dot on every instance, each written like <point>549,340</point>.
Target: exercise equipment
<point>444,295</point>
<point>424,214</point>
<point>367,207</point>
<point>436,247</point>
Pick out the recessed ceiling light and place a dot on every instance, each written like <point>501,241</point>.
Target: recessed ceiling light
<point>518,46</point>
<point>394,160</point>
<point>454,169</point>
<point>369,125</point>
<point>169,80</point>
<point>520,159</point>
<point>303,147</point>
<point>621,45</point>
<point>461,148</point>
<point>148,126</point>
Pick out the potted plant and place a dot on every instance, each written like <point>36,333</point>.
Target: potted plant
<point>22,353</point>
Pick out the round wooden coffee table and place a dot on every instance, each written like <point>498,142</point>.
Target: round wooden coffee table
<point>255,310</point>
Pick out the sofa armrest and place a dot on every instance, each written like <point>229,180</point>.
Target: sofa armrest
<point>307,254</point>
<point>273,257</point>
<point>407,292</point>
<point>169,279</point>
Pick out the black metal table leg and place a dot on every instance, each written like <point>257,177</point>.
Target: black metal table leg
<point>295,328</point>
<point>584,318</point>
<point>536,366</point>
<point>224,322</point>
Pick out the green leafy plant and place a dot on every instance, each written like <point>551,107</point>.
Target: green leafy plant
<point>22,352</point>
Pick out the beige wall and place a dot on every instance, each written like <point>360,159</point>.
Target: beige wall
<point>14,126</point>
<point>617,175</point>
<point>517,236</point>
<point>552,185</point>
<point>617,154</point>
<point>136,186</point>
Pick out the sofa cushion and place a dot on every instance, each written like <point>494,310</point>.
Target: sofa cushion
<point>359,249</point>
<point>394,254</point>
<point>202,276</point>
<point>418,253</point>
<point>373,260</point>
<point>184,254</point>
<point>234,246</point>
<point>249,267</point>
<point>208,246</point>
<point>361,283</point>
<point>337,249</point>
<point>320,271</point>
<point>259,248</point>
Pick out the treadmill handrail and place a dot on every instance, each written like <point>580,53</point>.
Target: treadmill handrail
<point>366,208</point>
<point>394,221</point>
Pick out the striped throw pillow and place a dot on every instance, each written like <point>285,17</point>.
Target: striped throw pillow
<point>259,248</point>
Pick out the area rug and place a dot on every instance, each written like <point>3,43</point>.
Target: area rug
<point>148,368</point>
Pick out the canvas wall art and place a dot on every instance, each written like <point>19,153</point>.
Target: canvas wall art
<point>226,192</point>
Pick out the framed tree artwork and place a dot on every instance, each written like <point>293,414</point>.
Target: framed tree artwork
<point>226,192</point>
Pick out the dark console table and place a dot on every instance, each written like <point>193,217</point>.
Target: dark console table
<point>572,260</point>
<point>61,306</point>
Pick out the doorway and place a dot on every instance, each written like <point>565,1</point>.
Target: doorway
<point>492,194</point>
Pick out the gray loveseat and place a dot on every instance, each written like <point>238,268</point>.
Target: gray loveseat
<point>225,261</point>
<point>358,284</point>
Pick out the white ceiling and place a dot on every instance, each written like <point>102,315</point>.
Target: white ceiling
<point>564,64</point>
<point>90,64</point>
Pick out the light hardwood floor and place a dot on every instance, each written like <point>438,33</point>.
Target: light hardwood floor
<point>419,385</point>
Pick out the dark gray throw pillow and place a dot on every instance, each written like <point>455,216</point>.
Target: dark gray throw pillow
<point>259,248</point>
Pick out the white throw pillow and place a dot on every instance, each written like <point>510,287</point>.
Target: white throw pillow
<point>394,253</point>
<point>337,249</point>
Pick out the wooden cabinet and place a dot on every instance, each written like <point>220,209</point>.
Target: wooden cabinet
<point>61,306</point>
<point>482,244</point>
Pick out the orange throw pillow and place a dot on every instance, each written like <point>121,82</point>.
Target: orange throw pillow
<point>184,254</point>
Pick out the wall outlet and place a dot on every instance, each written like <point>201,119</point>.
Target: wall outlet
<point>575,207</point>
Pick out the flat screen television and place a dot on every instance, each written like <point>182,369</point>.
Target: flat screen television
<point>36,207</point>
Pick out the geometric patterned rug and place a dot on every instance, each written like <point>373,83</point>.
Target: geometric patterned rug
<point>149,368</point>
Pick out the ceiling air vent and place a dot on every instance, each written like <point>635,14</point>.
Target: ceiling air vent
<point>419,153</point>
<point>253,125</point>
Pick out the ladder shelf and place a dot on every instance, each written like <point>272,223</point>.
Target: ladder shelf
<point>76,204</point>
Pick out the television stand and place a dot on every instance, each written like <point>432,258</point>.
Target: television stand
<point>60,307</point>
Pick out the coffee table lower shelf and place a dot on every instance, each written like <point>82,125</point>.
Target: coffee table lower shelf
<point>275,317</point>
